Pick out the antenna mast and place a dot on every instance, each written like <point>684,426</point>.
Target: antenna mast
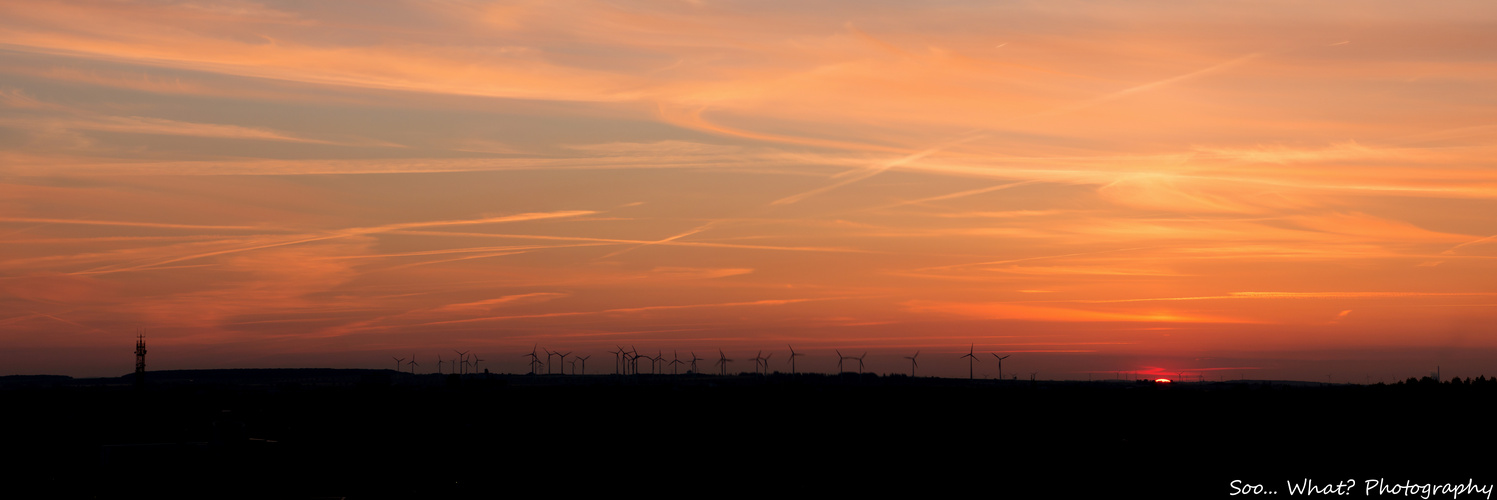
<point>140,358</point>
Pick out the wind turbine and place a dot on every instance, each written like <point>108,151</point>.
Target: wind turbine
<point>563,360</point>
<point>840,359</point>
<point>439,364</point>
<point>694,360</point>
<point>913,364</point>
<point>398,361</point>
<point>970,354</point>
<point>618,359</point>
<point>464,356</point>
<point>1000,363</point>
<point>793,354</point>
<point>675,360</point>
<point>548,360</point>
<point>413,364</point>
<point>766,363</point>
<point>534,359</point>
<point>584,364</point>
<point>723,360</point>
<point>758,360</point>
<point>476,361</point>
<point>860,362</point>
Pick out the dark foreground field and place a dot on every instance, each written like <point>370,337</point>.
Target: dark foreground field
<point>377,434</point>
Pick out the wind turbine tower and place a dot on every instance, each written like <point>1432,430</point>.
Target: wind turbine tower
<point>1000,363</point>
<point>793,354</point>
<point>463,355</point>
<point>972,357</point>
<point>723,360</point>
<point>618,360</point>
<point>535,360</point>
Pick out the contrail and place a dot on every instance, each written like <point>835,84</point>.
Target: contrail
<point>357,231</point>
<point>641,242</point>
<point>876,169</point>
<point>960,194</point>
<point>696,230</point>
<point>1148,86</point>
<point>880,168</point>
<point>429,262</point>
<point>769,302</point>
<point>122,223</point>
<point>1452,250</point>
<point>1010,261</point>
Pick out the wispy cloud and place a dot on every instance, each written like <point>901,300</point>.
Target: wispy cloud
<point>1025,312</point>
<point>1304,295</point>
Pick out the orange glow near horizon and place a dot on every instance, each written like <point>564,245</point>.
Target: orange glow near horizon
<point>1238,189</point>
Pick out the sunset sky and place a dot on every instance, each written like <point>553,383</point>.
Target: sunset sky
<point>1253,189</point>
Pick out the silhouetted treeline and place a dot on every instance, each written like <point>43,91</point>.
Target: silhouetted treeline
<point>1426,381</point>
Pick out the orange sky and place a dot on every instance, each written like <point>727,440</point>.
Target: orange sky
<point>1226,189</point>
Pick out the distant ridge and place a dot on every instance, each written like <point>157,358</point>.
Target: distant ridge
<point>261,372</point>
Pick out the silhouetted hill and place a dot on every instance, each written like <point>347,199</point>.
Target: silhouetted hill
<point>261,376</point>
<point>34,380</point>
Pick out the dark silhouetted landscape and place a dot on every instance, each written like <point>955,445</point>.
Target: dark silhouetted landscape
<point>315,433</point>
